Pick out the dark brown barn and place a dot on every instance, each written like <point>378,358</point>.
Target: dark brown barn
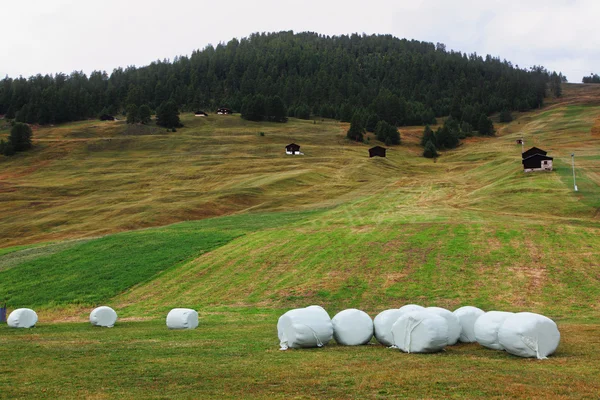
<point>107,117</point>
<point>537,162</point>
<point>377,151</point>
<point>224,111</point>
<point>200,114</point>
<point>292,148</point>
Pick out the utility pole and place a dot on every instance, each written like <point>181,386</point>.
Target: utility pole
<point>573,163</point>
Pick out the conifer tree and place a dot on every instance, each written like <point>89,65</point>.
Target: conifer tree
<point>427,136</point>
<point>132,114</point>
<point>167,115</point>
<point>276,109</point>
<point>387,133</point>
<point>429,151</point>
<point>505,116</point>
<point>371,123</point>
<point>485,126</point>
<point>145,115</point>
<point>20,137</point>
<point>356,130</point>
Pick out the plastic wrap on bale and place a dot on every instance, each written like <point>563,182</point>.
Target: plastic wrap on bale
<point>454,327</point>
<point>22,318</point>
<point>411,307</point>
<point>103,316</point>
<point>467,316</point>
<point>352,327</point>
<point>182,318</point>
<point>304,328</point>
<point>487,326</point>
<point>529,335</point>
<point>420,332</point>
<point>383,325</point>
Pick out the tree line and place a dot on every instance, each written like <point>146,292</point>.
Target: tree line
<point>402,82</point>
<point>593,78</point>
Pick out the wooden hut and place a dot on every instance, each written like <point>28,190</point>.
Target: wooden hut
<point>377,151</point>
<point>200,114</point>
<point>536,159</point>
<point>224,111</point>
<point>292,149</point>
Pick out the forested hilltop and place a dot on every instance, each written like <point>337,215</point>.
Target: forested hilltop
<point>405,82</point>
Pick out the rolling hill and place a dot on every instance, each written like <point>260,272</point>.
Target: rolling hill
<point>217,217</point>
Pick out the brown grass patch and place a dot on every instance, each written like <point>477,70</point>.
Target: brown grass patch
<point>596,128</point>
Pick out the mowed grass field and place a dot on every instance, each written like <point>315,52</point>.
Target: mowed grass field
<point>86,221</point>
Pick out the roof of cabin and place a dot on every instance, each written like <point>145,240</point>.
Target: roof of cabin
<point>533,150</point>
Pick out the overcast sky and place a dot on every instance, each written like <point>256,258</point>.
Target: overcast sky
<point>49,36</point>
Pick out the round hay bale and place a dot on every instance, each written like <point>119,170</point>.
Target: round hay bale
<point>182,318</point>
<point>420,332</point>
<point>529,335</point>
<point>454,327</point>
<point>304,328</point>
<point>22,318</point>
<point>467,316</point>
<point>352,327</point>
<point>487,326</point>
<point>411,307</point>
<point>383,325</point>
<point>103,316</point>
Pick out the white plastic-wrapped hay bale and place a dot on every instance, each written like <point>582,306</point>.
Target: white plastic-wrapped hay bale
<point>383,325</point>
<point>454,327</point>
<point>22,318</point>
<point>420,332</point>
<point>529,335</point>
<point>352,327</point>
<point>467,316</point>
<point>487,326</point>
<point>182,318</point>
<point>103,316</point>
<point>411,307</point>
<point>304,327</point>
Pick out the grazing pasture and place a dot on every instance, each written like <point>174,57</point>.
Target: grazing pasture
<point>217,218</point>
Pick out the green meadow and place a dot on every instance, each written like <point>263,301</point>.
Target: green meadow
<point>217,218</point>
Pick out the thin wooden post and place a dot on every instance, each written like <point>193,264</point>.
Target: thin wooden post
<point>3,314</point>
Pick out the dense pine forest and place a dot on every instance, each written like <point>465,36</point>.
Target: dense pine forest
<point>404,82</point>
<point>593,78</point>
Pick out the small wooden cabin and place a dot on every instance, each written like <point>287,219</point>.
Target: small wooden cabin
<point>224,111</point>
<point>377,151</point>
<point>200,114</point>
<point>292,149</point>
<point>535,159</point>
<point>107,117</point>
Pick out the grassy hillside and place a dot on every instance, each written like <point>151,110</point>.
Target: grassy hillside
<point>93,178</point>
<point>332,227</point>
